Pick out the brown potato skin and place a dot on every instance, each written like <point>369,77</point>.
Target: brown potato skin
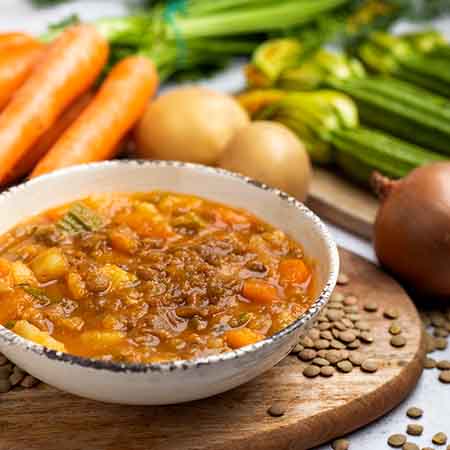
<point>271,153</point>
<point>412,230</point>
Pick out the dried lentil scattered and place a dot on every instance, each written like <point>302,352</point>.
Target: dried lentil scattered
<point>391,313</point>
<point>440,343</point>
<point>311,371</point>
<point>444,376</point>
<point>345,366</point>
<point>321,362</point>
<point>439,439</point>
<point>410,446</point>
<point>443,364</point>
<point>356,358</point>
<point>297,349</point>
<point>308,354</point>
<point>395,328</point>
<point>343,279</point>
<point>340,444</point>
<point>371,307</point>
<point>327,371</point>
<point>277,409</point>
<point>414,429</point>
<point>396,440</point>
<point>429,363</point>
<point>398,341</point>
<point>369,365</point>
<point>414,412</point>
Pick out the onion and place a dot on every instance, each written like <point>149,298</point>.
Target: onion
<point>189,124</point>
<point>412,228</point>
<point>271,153</point>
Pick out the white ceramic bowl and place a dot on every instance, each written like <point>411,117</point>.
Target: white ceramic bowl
<point>177,381</point>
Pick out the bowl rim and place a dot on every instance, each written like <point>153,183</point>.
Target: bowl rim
<point>314,309</point>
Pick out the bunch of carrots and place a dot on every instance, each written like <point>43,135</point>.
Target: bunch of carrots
<point>52,115</point>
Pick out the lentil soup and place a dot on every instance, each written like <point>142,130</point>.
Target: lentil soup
<point>150,277</point>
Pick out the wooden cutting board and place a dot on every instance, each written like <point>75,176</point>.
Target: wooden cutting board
<point>319,409</point>
<point>343,203</point>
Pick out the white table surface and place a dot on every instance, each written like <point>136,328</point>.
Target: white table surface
<point>430,395</point>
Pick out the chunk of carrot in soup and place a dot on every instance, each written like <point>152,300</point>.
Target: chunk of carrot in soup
<point>258,291</point>
<point>242,337</point>
<point>293,271</point>
<point>232,217</point>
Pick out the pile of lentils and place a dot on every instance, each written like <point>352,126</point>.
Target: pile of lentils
<point>437,325</point>
<point>12,376</point>
<point>337,341</point>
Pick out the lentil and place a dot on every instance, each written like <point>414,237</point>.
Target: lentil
<point>277,409</point>
<point>410,446</point>
<point>439,439</point>
<point>340,444</point>
<point>369,365</point>
<point>440,343</point>
<point>414,429</point>
<point>371,307</point>
<point>414,413</point>
<point>343,279</point>
<point>391,313</point>
<point>443,365</point>
<point>356,358</point>
<point>395,329</point>
<point>398,341</point>
<point>311,371</point>
<point>396,440</point>
<point>345,366</point>
<point>444,376</point>
<point>429,363</point>
<point>327,371</point>
<point>307,354</point>
<point>321,362</point>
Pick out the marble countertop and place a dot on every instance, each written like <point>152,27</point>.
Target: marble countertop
<point>429,393</point>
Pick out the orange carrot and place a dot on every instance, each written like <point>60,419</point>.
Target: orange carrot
<point>46,141</point>
<point>16,65</point>
<point>120,102</point>
<point>15,39</point>
<point>242,337</point>
<point>293,271</point>
<point>259,291</point>
<point>69,67</point>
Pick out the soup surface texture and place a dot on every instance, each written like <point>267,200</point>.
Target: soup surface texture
<point>150,277</point>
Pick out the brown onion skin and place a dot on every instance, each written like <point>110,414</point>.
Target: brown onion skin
<point>412,229</point>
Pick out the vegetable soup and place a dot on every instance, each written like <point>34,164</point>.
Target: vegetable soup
<point>150,277</point>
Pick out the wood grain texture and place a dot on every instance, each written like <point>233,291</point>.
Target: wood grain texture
<point>343,203</point>
<point>319,409</point>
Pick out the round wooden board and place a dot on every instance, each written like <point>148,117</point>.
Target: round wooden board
<point>319,409</point>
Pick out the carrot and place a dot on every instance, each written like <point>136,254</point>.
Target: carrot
<point>242,337</point>
<point>120,102</point>
<point>69,67</point>
<point>16,65</point>
<point>259,291</point>
<point>25,165</point>
<point>293,271</point>
<point>15,39</point>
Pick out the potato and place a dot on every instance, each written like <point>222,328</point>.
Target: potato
<point>189,124</point>
<point>28,331</point>
<point>271,153</point>
<point>22,274</point>
<point>51,264</point>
